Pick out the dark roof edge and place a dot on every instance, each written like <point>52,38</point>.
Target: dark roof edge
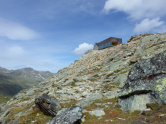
<point>112,37</point>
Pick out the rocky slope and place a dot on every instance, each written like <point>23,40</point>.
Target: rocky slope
<point>99,81</point>
<point>13,81</point>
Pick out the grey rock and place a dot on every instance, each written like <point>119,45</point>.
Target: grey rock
<point>68,81</point>
<point>89,99</point>
<point>76,79</point>
<point>121,79</point>
<point>85,93</point>
<point>70,115</point>
<point>48,105</point>
<point>61,74</point>
<point>135,102</point>
<point>146,77</point>
<point>111,94</point>
<point>139,52</point>
<point>97,112</point>
<point>115,65</point>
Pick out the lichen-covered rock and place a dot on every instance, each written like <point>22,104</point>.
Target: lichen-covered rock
<point>48,105</point>
<point>160,90</point>
<point>146,77</point>
<point>70,115</point>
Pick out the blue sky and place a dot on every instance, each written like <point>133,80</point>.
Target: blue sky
<point>51,34</point>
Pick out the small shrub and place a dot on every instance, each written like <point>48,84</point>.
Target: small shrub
<point>153,106</point>
<point>117,106</point>
<point>136,112</point>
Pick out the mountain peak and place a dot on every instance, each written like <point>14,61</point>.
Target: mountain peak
<point>13,81</point>
<point>4,70</point>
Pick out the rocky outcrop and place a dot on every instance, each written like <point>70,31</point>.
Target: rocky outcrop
<point>70,115</point>
<point>146,83</point>
<point>48,105</point>
<point>133,38</point>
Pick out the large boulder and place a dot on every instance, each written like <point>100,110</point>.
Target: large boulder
<point>48,105</point>
<point>146,83</point>
<point>70,115</point>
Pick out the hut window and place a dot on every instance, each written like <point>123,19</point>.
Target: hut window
<point>115,43</point>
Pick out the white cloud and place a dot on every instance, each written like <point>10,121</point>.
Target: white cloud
<point>16,31</point>
<point>15,51</point>
<point>146,25</point>
<point>16,56</point>
<point>146,12</point>
<point>8,50</point>
<point>138,9</point>
<point>82,48</point>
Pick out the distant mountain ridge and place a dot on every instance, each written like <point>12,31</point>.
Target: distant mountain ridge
<point>30,73</point>
<point>13,81</point>
<point>4,70</point>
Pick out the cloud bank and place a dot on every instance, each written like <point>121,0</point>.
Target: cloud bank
<point>137,9</point>
<point>147,12</point>
<point>16,31</point>
<point>82,48</point>
<point>146,25</point>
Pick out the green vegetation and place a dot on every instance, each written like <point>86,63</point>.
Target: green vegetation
<point>73,84</point>
<point>68,103</point>
<point>111,111</point>
<point>33,115</point>
<point>4,98</point>
<point>114,114</point>
<point>109,86</point>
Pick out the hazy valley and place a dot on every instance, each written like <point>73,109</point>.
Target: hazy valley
<point>13,81</point>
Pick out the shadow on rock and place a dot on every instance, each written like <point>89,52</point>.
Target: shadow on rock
<point>48,105</point>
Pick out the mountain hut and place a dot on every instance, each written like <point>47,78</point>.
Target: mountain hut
<point>109,42</point>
